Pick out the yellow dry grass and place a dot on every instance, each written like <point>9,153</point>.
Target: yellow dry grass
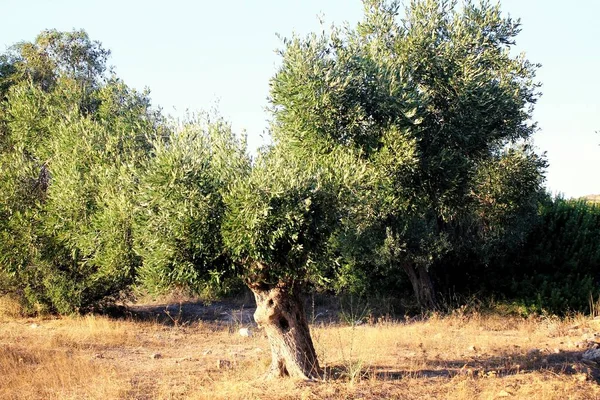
<point>454,357</point>
<point>10,307</point>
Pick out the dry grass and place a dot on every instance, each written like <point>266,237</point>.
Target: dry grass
<point>456,357</point>
<point>10,308</point>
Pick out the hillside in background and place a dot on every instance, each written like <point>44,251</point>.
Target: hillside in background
<point>592,198</point>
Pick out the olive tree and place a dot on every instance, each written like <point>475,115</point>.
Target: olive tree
<point>278,225</point>
<point>181,205</point>
<point>426,97</point>
<point>67,184</point>
<point>54,54</point>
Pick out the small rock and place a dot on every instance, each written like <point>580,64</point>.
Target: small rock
<point>207,352</point>
<point>34,326</point>
<point>472,348</point>
<point>156,356</point>
<point>98,355</point>
<point>504,393</point>
<point>245,332</point>
<point>224,364</point>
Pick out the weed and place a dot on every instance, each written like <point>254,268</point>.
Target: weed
<point>177,319</point>
<point>354,311</point>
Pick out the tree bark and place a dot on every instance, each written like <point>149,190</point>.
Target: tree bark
<point>422,286</point>
<point>280,311</point>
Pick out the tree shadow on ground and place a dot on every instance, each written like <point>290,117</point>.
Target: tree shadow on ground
<point>562,363</point>
<point>186,313</point>
<point>234,311</point>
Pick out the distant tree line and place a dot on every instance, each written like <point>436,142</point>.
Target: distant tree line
<point>401,165</point>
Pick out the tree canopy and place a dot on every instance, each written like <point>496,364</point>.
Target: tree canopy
<point>429,100</point>
<point>72,139</point>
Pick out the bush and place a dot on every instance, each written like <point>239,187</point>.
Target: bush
<point>558,269</point>
<point>67,193</point>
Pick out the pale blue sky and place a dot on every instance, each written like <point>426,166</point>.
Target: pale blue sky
<point>193,54</point>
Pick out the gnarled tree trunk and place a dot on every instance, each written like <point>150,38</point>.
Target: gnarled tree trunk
<point>280,311</point>
<point>422,286</point>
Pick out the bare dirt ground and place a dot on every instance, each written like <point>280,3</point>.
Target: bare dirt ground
<point>194,351</point>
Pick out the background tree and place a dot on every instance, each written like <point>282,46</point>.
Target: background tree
<point>507,196</point>
<point>66,181</point>
<point>182,186</point>
<point>427,100</point>
<point>56,54</point>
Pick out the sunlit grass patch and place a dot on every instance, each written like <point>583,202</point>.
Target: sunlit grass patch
<point>466,356</point>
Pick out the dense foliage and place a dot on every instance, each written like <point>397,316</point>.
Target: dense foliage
<point>552,268</point>
<point>401,162</point>
<point>558,268</point>
<point>71,143</point>
<point>438,109</point>
<point>181,206</point>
